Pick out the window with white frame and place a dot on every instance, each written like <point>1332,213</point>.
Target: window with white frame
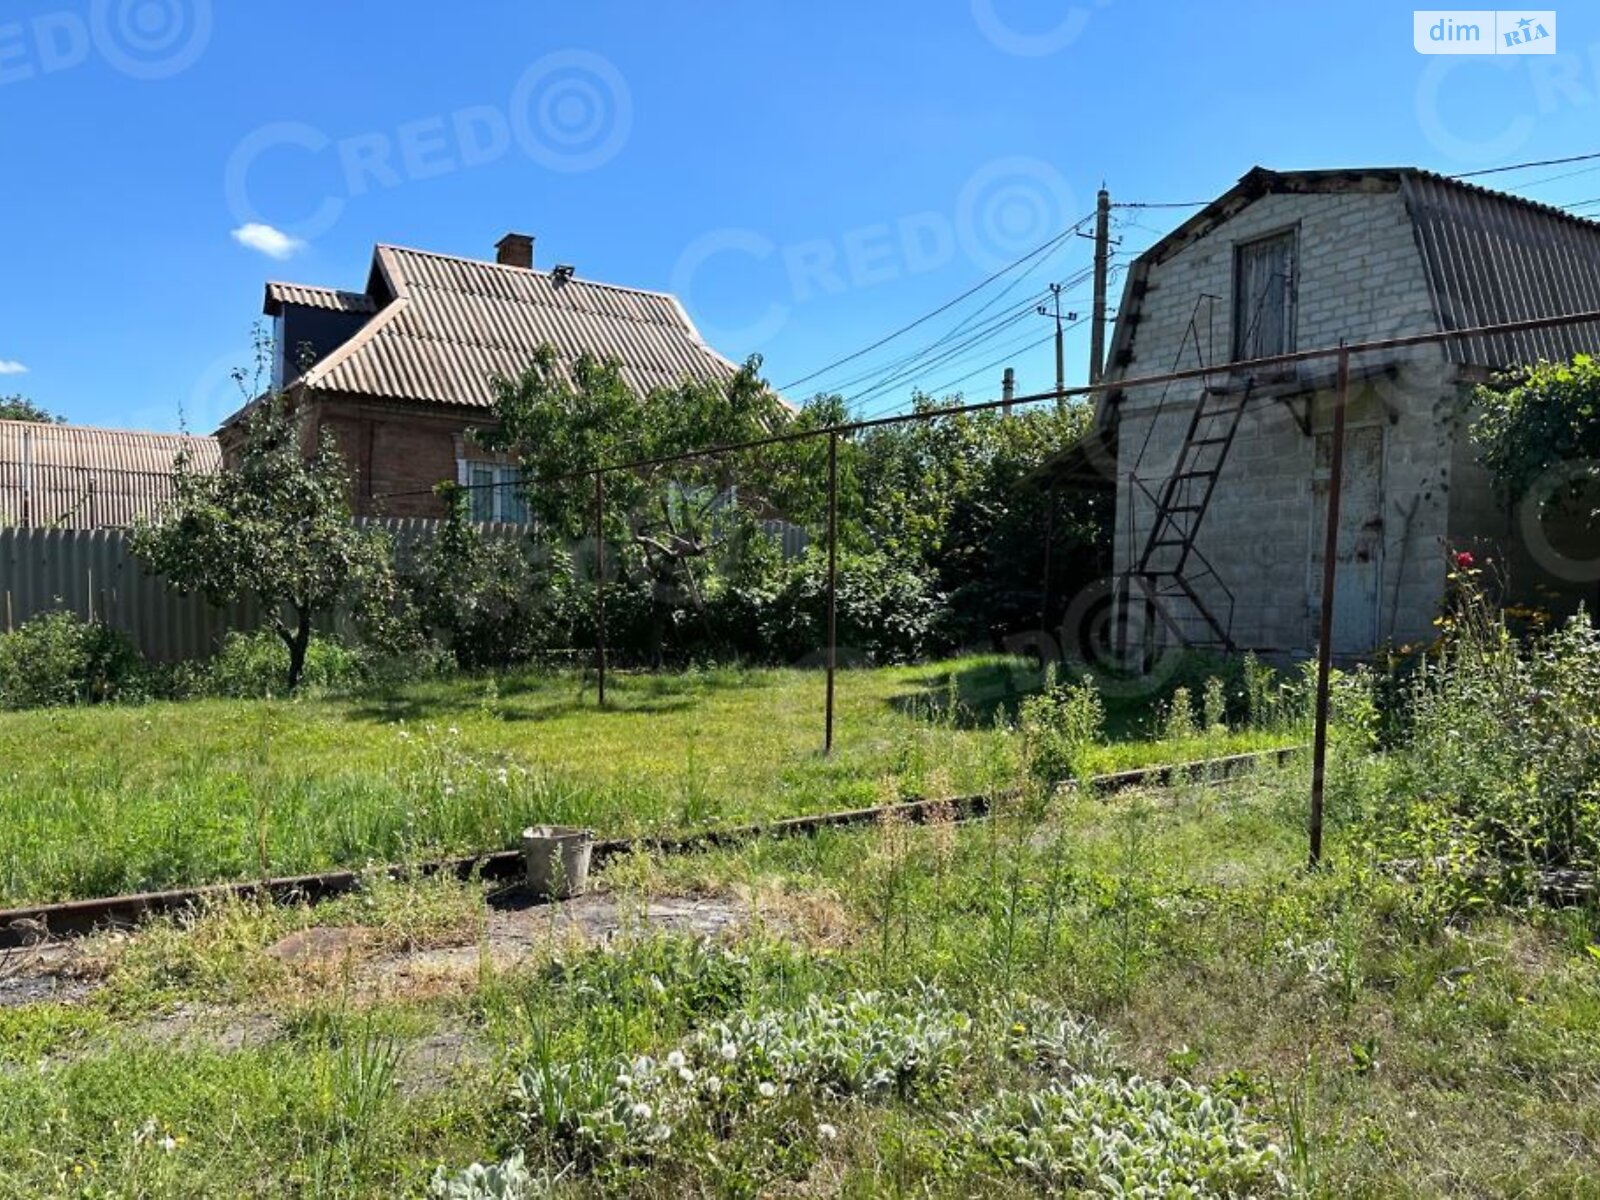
<point>495,491</point>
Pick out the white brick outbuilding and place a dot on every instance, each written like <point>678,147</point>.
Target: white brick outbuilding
<point>1221,483</point>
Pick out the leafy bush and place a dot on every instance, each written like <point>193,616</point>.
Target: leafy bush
<point>1214,705</point>
<point>1059,726</point>
<point>1043,1037</point>
<point>1106,1136</point>
<point>1179,722</point>
<point>492,602</point>
<point>57,658</point>
<point>1538,419</point>
<point>1504,750</point>
<point>256,664</point>
<point>887,613</point>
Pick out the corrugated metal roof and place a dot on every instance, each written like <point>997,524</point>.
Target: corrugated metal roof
<point>1493,258</point>
<point>457,323</point>
<point>279,294</point>
<point>81,477</point>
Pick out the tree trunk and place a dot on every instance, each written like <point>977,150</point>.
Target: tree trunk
<point>297,641</point>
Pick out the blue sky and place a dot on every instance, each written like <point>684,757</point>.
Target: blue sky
<point>808,177</point>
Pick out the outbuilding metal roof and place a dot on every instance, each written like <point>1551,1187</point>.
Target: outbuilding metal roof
<point>279,294</point>
<point>80,477</point>
<point>1493,258</point>
<point>454,324</point>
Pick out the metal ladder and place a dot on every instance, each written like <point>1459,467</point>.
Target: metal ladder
<point>1170,564</point>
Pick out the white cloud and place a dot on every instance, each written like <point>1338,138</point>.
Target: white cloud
<point>274,243</point>
<point>10,366</point>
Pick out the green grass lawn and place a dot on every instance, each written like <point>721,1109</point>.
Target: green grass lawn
<point>1212,1014</point>
<point>98,801</point>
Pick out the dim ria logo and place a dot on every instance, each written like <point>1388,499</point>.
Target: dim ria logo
<point>1469,31</point>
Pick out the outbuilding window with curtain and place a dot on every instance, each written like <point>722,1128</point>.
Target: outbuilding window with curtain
<point>1263,297</point>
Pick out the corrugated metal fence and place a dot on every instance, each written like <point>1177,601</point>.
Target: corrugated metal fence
<point>92,572</point>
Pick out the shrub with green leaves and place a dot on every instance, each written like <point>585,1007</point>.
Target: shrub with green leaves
<point>1214,705</point>
<point>1103,1136</point>
<point>1179,723</point>
<point>1504,750</point>
<point>887,612</point>
<point>256,664</point>
<point>1060,726</point>
<point>57,658</point>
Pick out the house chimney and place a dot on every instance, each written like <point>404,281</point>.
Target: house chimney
<point>514,250</point>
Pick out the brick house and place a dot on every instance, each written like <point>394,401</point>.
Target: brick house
<point>401,371</point>
<point>1221,482</point>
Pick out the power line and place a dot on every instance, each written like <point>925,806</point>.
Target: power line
<point>1016,312</point>
<point>1011,353</point>
<point>1543,162</point>
<point>916,363</point>
<point>1001,361</point>
<point>885,410</point>
<point>990,325</point>
<point>1533,183</point>
<point>1060,237</point>
<point>1160,203</point>
<point>1022,313</point>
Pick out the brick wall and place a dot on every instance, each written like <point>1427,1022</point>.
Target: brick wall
<point>1360,276</point>
<point>397,455</point>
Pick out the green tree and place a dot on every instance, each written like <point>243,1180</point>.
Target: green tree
<point>20,408</point>
<point>674,518</point>
<point>276,525</point>
<point>952,495</point>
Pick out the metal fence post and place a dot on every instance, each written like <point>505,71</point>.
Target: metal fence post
<point>833,583</point>
<point>600,582</point>
<point>1330,561</point>
<point>1049,542</point>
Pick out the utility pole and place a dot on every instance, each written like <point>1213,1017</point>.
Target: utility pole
<point>1061,354</point>
<point>1008,389</point>
<point>1102,259</point>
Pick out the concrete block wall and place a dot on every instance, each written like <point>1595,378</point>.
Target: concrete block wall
<point>1360,276</point>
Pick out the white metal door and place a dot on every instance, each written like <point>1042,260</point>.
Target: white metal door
<point>1358,581</point>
